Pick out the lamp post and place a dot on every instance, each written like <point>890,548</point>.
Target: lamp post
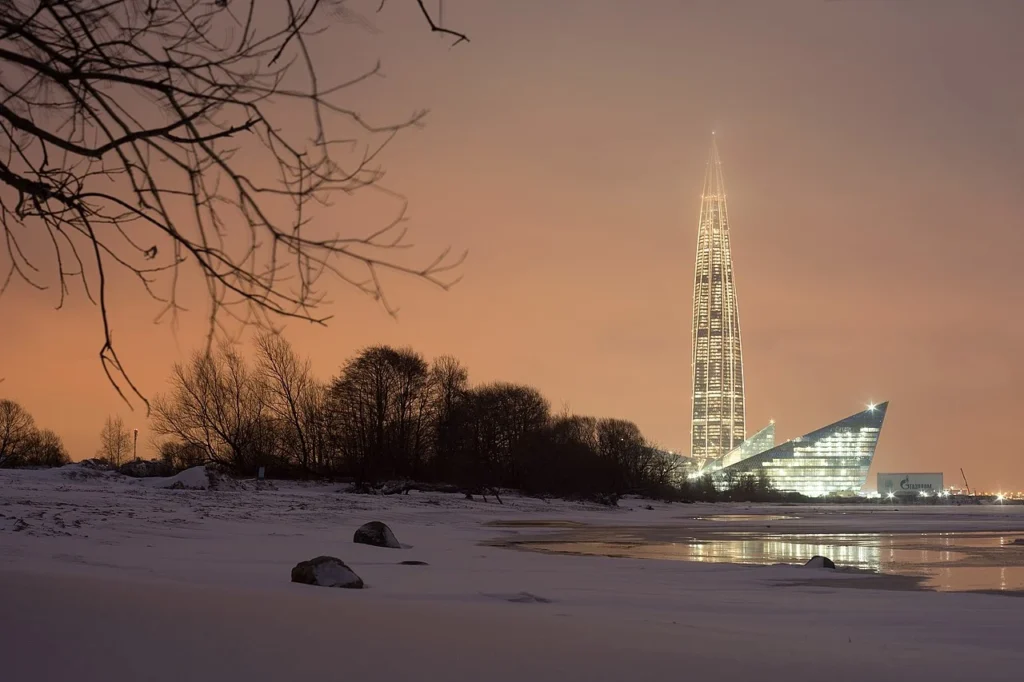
<point>135,445</point>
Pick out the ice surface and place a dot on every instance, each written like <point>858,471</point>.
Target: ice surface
<point>105,578</point>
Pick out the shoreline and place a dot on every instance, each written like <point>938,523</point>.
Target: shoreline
<point>678,544</point>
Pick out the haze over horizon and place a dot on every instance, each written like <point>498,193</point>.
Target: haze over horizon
<point>872,155</point>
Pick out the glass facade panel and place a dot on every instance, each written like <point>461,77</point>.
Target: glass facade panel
<point>755,445</point>
<point>833,459</point>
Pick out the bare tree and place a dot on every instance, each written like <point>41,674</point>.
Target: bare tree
<point>138,137</point>
<point>115,442</point>
<point>16,429</point>
<point>295,398</point>
<point>380,413</point>
<point>501,415</point>
<point>180,456</point>
<point>621,443</point>
<point>218,404</point>
<point>44,448</point>
<point>316,415</point>
<point>450,386</point>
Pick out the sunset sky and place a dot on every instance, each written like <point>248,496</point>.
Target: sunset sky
<point>874,157</point>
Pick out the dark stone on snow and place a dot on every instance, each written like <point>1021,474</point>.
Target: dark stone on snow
<point>377,534</point>
<point>413,563</point>
<point>820,562</point>
<point>326,571</point>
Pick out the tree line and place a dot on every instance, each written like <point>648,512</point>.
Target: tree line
<point>389,415</point>
<point>22,444</point>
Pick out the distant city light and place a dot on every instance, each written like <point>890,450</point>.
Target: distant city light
<point>871,407</point>
<point>999,497</point>
<point>891,495</point>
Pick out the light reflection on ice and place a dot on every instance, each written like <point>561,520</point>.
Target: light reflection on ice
<point>949,561</point>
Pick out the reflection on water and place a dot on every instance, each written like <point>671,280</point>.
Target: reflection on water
<point>948,561</point>
<point>745,517</point>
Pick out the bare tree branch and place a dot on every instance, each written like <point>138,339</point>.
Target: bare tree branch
<point>141,137</point>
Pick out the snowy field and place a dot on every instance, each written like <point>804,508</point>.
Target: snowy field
<point>104,578</point>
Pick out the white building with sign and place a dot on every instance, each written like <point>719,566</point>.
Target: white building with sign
<point>901,485</point>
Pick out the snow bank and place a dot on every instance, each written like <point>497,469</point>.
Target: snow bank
<point>196,478</point>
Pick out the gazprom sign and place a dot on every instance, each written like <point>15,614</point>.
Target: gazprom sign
<point>909,484</point>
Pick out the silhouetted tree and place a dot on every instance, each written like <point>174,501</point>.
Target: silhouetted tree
<point>316,415</point>
<point>22,444</point>
<point>751,488</point>
<point>180,456</point>
<point>218,404</point>
<point>561,458</point>
<point>380,407</point>
<point>141,136</point>
<point>664,471</point>
<point>450,385</point>
<point>16,428</point>
<point>45,448</point>
<point>622,445</point>
<point>115,442</point>
<point>296,399</point>
<point>500,416</point>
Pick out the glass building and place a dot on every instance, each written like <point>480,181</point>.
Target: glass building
<point>759,442</point>
<point>834,459</point>
<point>719,411</point>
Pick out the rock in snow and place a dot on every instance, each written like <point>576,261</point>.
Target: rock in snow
<point>820,562</point>
<point>326,571</point>
<point>377,534</point>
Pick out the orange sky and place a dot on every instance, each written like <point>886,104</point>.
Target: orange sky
<point>872,152</point>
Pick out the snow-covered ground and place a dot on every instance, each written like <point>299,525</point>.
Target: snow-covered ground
<point>108,578</point>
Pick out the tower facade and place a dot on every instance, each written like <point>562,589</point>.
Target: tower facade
<point>719,409</point>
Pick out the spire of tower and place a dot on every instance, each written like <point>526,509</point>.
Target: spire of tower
<point>714,183</point>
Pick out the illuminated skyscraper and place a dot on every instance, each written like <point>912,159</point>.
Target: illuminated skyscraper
<point>719,412</point>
